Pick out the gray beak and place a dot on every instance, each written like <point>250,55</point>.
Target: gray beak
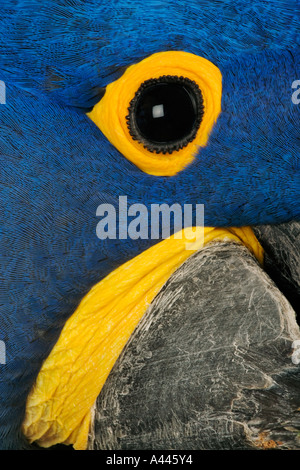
<point>214,363</point>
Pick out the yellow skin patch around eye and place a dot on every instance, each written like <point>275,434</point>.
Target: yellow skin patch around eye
<point>59,407</point>
<point>111,111</point>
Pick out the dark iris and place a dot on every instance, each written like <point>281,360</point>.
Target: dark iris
<point>166,113</point>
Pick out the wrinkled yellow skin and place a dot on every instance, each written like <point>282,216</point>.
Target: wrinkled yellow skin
<point>59,405</point>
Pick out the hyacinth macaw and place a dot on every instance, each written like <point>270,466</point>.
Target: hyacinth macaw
<point>57,166</point>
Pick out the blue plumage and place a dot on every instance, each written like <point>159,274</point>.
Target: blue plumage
<point>57,167</point>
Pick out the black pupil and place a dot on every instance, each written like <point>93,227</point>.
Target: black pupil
<point>166,112</point>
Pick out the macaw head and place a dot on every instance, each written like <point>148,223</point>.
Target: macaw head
<point>70,54</point>
<point>60,61</point>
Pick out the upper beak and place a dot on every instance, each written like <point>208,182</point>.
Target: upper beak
<point>214,362</point>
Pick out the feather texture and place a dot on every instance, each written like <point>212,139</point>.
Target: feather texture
<point>57,167</point>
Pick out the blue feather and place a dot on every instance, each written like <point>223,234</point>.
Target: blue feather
<point>57,167</point>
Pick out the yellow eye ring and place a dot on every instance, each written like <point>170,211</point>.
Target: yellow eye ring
<point>111,111</point>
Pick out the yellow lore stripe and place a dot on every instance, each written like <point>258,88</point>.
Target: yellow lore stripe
<point>60,403</point>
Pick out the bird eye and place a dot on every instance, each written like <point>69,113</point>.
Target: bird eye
<point>161,110</point>
<point>165,113</point>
